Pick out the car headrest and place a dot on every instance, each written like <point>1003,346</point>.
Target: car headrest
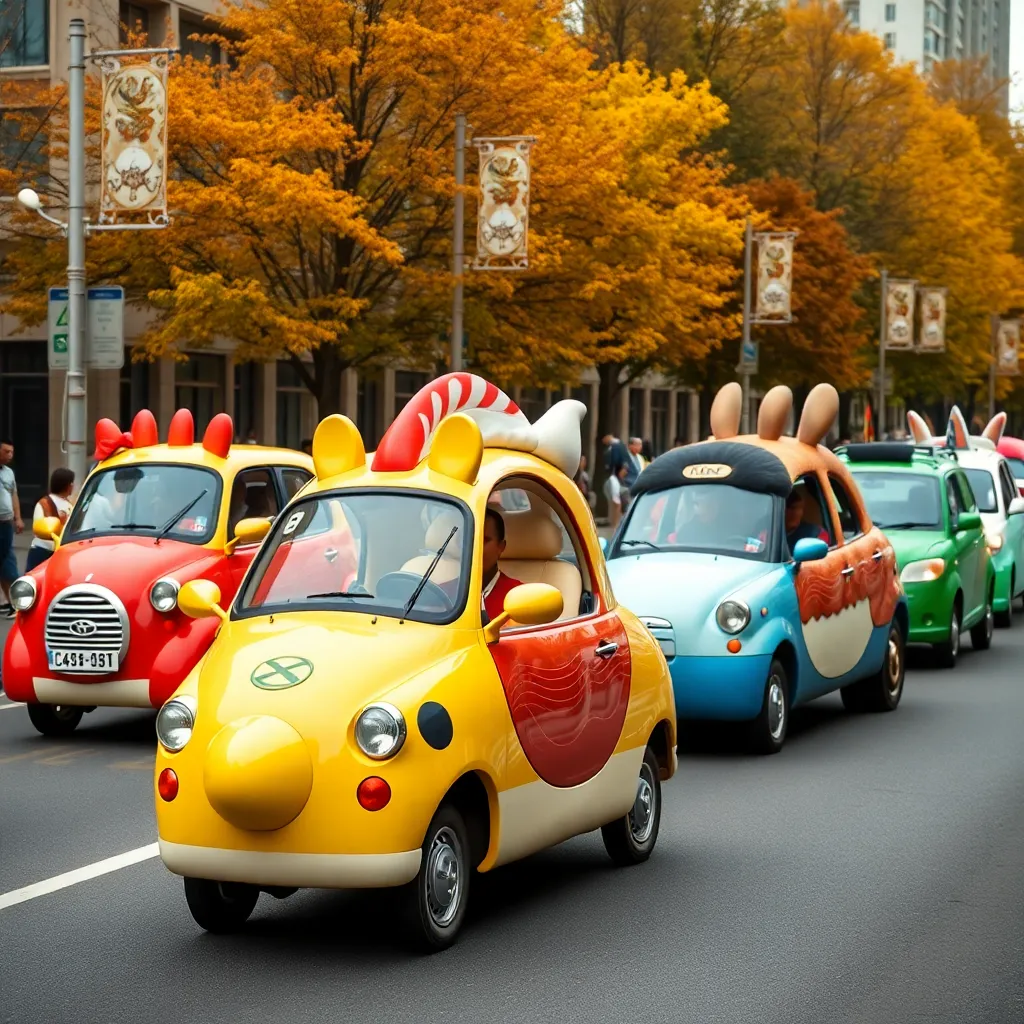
<point>532,535</point>
<point>438,530</point>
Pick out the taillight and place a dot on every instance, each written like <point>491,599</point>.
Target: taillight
<point>167,784</point>
<point>373,793</point>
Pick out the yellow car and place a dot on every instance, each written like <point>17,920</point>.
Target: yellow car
<point>361,720</point>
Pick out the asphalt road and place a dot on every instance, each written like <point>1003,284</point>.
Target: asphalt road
<point>872,872</point>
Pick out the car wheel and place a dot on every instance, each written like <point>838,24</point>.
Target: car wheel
<point>883,690</point>
<point>220,907</point>
<point>768,730</point>
<point>981,634</point>
<point>631,838</point>
<point>54,719</point>
<point>437,899</point>
<point>1005,619</point>
<point>947,653</point>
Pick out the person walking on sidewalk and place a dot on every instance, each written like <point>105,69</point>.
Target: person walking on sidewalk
<point>55,505</point>
<point>10,524</point>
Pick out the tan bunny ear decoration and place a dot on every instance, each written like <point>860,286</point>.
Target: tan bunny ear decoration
<point>820,411</point>
<point>995,427</point>
<point>918,428</point>
<point>774,412</point>
<point>725,412</point>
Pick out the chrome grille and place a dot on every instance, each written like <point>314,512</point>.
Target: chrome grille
<point>87,618</point>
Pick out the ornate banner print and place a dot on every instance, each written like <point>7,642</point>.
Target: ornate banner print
<point>134,143</point>
<point>899,315</point>
<point>503,214</point>
<point>773,303</point>
<point>1008,348</point>
<point>932,336</point>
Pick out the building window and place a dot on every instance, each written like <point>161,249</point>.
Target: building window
<point>534,403</point>
<point>928,43</point>
<point>24,33</point>
<point>636,412</point>
<point>134,20</point>
<point>23,144</point>
<point>193,47</point>
<point>290,393</point>
<point>682,429</point>
<point>853,12</point>
<point>659,422</point>
<point>890,40</point>
<point>407,384</point>
<point>368,411</point>
<point>199,386</point>
<point>245,400</point>
<point>134,389</point>
<point>890,12</point>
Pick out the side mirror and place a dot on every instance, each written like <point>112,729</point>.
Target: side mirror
<point>1016,507</point>
<point>199,599</point>
<point>47,529</point>
<point>529,604</point>
<point>249,531</point>
<point>810,549</point>
<point>972,520</point>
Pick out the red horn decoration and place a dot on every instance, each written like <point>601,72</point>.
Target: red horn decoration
<point>144,429</point>
<point>217,439</point>
<point>182,431</point>
<point>110,439</point>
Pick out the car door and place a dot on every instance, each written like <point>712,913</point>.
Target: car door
<point>260,501</point>
<point>968,543</point>
<point>566,683</point>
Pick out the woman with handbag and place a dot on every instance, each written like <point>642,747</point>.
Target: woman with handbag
<point>56,504</point>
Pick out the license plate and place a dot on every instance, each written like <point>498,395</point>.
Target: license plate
<point>83,661</point>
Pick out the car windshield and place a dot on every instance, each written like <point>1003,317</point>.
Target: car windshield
<point>364,551</point>
<point>1017,468</point>
<point>151,499</point>
<point>700,517</point>
<point>903,501</point>
<point>984,486</point>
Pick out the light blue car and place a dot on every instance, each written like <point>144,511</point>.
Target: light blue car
<point>751,628</point>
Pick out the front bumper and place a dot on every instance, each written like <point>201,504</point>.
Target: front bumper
<point>1002,562</point>
<point>930,609</point>
<point>299,870</point>
<point>727,688</point>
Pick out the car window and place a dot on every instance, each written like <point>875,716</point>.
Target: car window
<point>983,487</point>
<point>1016,468</point>
<point>1009,488</point>
<point>904,501</point>
<point>848,521</point>
<point>253,496</point>
<point>967,502</point>
<point>294,480</point>
<point>953,501</point>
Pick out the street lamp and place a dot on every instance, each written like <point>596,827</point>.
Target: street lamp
<point>29,198</point>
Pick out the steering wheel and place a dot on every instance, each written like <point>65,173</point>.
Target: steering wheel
<point>398,587</point>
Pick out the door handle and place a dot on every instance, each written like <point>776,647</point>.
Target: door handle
<point>848,571</point>
<point>330,554</point>
<point>877,556</point>
<point>606,648</point>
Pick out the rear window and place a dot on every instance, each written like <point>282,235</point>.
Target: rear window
<point>1016,468</point>
<point>903,501</point>
<point>984,487</point>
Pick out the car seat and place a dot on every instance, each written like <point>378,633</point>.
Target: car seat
<point>449,567</point>
<point>533,543</point>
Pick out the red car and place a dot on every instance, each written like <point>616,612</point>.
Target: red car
<point>98,623</point>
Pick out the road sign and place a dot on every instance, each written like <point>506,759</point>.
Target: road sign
<point>104,348</point>
<point>748,357</point>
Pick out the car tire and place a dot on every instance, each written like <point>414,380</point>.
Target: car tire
<point>54,719</point>
<point>882,690</point>
<point>631,839</point>
<point>981,634</point>
<point>767,732</point>
<point>220,907</point>
<point>1005,619</point>
<point>437,898</point>
<point>947,653</point>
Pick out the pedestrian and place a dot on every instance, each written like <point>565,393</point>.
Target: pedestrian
<point>10,524</point>
<point>582,481</point>
<point>615,454</point>
<point>55,505</point>
<point>614,490</point>
<point>635,461</point>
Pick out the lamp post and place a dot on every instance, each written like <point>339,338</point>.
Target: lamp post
<point>458,254</point>
<point>748,240</point>
<point>883,327</point>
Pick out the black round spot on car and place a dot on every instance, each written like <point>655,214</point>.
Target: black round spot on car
<point>435,724</point>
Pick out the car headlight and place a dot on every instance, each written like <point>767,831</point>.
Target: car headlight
<point>174,723</point>
<point>380,731</point>
<point>732,616</point>
<point>994,541</point>
<point>23,593</point>
<point>163,595</point>
<point>925,571</point>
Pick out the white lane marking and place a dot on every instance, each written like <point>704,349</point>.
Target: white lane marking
<point>6,706</point>
<point>101,867</point>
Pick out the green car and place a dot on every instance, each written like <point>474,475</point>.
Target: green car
<point>924,503</point>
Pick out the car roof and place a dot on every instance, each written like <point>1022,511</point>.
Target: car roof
<point>239,457</point>
<point>897,457</point>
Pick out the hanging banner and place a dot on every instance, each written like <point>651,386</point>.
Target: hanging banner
<point>899,315</point>
<point>1008,348</point>
<point>932,336</point>
<point>773,304</point>
<point>134,140</point>
<point>503,211</point>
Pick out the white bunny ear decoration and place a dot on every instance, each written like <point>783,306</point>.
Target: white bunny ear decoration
<point>918,428</point>
<point>995,427</point>
<point>957,433</point>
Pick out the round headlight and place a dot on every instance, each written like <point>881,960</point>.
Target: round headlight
<point>163,595</point>
<point>23,593</point>
<point>380,731</point>
<point>174,723</point>
<point>732,616</point>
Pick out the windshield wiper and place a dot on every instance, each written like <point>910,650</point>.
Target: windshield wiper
<point>341,593</point>
<point>131,526</point>
<point>426,576</point>
<point>904,526</point>
<point>177,515</point>
<point>647,543</point>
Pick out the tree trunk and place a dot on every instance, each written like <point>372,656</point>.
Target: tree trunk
<point>328,367</point>
<point>845,401</point>
<point>608,388</point>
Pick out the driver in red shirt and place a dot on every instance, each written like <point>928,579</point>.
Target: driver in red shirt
<point>496,584</point>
